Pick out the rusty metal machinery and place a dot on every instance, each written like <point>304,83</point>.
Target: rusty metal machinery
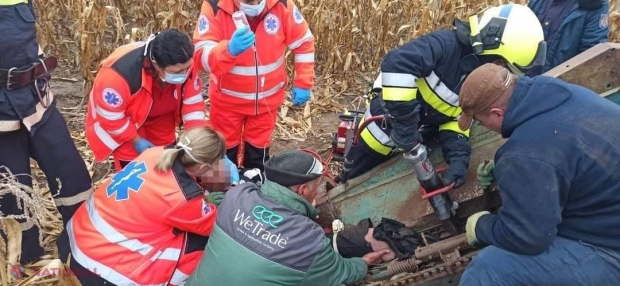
<point>433,261</point>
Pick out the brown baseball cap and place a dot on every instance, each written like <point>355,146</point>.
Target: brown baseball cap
<point>481,89</point>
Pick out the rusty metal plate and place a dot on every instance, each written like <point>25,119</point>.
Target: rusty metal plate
<point>598,68</point>
<point>391,190</point>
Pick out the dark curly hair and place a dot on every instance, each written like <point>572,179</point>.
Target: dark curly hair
<point>171,47</point>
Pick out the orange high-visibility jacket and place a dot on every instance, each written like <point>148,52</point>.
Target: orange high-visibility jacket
<point>120,100</point>
<point>143,227</point>
<point>253,83</point>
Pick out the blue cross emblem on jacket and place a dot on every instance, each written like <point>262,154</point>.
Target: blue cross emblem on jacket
<point>127,179</point>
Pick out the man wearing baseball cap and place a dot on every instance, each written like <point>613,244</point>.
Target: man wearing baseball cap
<point>558,175</point>
<point>266,236</point>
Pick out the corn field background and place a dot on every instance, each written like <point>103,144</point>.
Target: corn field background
<point>352,36</point>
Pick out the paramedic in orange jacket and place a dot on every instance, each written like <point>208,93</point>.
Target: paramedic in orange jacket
<point>140,95</point>
<point>149,223</point>
<point>248,69</point>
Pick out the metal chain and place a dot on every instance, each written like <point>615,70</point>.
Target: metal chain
<point>431,273</point>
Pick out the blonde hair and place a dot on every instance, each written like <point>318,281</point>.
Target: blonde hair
<point>201,145</point>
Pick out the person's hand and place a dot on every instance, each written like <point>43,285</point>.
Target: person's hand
<point>485,173</point>
<point>215,198</point>
<point>470,227</point>
<point>241,40</point>
<point>375,257</point>
<point>142,145</point>
<point>233,170</point>
<point>300,96</point>
<point>453,175</point>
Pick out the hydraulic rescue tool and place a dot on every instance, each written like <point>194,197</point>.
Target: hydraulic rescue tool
<point>341,140</point>
<point>429,179</point>
<point>432,186</point>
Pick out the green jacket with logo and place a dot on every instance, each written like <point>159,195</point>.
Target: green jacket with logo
<point>267,237</point>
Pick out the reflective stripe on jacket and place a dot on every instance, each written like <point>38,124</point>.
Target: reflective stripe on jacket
<point>427,69</point>
<point>253,82</point>
<point>430,71</point>
<point>120,100</point>
<point>143,227</point>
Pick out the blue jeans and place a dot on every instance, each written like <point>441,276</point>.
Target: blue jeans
<point>565,263</point>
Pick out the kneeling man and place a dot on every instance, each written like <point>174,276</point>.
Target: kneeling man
<point>266,236</point>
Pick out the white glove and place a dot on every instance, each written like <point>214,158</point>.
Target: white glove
<point>252,175</point>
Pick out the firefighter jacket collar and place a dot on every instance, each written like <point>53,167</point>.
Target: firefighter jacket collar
<point>288,198</point>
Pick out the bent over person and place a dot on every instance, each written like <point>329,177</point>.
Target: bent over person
<point>143,91</point>
<point>247,70</point>
<point>558,179</point>
<point>419,83</point>
<point>31,126</point>
<point>149,223</point>
<point>266,236</point>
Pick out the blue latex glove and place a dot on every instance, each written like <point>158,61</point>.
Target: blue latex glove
<point>241,40</point>
<point>142,145</point>
<point>232,168</point>
<point>300,96</point>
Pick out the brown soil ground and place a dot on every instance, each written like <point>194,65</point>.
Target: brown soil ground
<point>68,91</point>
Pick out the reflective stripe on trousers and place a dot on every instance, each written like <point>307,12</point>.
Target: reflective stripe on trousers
<point>30,120</point>
<point>374,136</point>
<point>115,237</point>
<point>454,126</point>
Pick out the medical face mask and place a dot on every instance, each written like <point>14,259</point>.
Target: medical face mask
<point>253,10</point>
<point>173,78</point>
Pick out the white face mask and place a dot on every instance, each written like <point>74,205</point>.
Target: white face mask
<point>253,10</point>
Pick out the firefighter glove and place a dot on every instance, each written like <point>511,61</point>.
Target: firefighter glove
<point>241,40</point>
<point>485,173</point>
<point>456,174</point>
<point>232,169</point>
<point>142,145</point>
<point>470,228</point>
<point>300,96</point>
<point>405,117</point>
<point>215,198</point>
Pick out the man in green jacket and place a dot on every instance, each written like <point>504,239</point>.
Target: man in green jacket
<point>266,236</point>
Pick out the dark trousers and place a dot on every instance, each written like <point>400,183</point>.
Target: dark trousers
<point>87,276</point>
<point>358,160</point>
<point>253,157</point>
<point>361,158</point>
<point>53,149</point>
<point>566,263</point>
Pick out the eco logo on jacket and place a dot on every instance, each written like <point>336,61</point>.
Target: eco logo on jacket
<point>267,216</point>
<point>259,227</point>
